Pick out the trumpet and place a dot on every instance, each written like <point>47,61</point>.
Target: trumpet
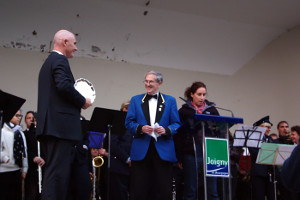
<point>98,161</point>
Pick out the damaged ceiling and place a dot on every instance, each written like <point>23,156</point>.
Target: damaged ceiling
<point>206,36</point>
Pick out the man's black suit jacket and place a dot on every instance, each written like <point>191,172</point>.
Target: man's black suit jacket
<point>59,103</point>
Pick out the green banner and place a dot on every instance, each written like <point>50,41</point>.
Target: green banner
<point>217,157</point>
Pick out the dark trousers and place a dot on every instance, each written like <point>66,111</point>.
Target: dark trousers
<point>11,185</point>
<point>31,189</point>
<point>81,183</point>
<point>118,187</point>
<point>151,178</point>
<point>60,156</point>
<point>261,187</point>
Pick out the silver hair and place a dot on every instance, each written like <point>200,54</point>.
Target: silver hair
<point>159,76</point>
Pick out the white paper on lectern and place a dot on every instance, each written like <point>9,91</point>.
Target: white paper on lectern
<point>255,135</point>
<point>283,153</point>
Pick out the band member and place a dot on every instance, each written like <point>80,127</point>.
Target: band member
<point>14,162</point>
<point>152,118</point>
<point>32,177</point>
<point>81,185</point>
<point>120,163</point>
<point>262,176</point>
<point>58,121</point>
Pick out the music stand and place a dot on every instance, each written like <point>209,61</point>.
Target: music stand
<point>110,122</point>
<point>248,136</point>
<point>274,154</point>
<point>9,105</point>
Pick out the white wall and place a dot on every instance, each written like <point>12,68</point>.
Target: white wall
<point>267,85</point>
<point>118,30</point>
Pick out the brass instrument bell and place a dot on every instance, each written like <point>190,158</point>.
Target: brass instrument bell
<point>98,161</point>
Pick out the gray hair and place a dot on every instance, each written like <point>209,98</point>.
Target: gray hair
<point>159,76</point>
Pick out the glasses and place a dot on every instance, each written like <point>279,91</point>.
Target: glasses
<point>149,82</point>
<point>18,115</point>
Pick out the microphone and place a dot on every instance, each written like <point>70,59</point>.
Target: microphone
<point>183,99</point>
<point>214,106</point>
<point>225,110</point>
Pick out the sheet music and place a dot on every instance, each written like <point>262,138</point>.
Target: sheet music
<point>274,154</point>
<point>248,136</point>
<point>283,153</point>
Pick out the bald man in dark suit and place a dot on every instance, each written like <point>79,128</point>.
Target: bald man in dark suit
<point>58,121</point>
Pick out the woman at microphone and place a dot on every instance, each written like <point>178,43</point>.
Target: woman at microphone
<point>190,159</point>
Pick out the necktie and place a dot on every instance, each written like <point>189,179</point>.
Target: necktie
<point>19,149</point>
<point>149,96</point>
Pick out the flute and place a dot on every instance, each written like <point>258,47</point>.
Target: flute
<point>39,168</point>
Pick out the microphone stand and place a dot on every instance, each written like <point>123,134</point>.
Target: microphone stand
<point>214,106</point>
<point>225,110</point>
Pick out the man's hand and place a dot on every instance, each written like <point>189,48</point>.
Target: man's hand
<point>39,161</point>
<point>103,152</point>
<point>179,164</point>
<point>160,130</point>
<point>23,175</point>
<point>87,104</point>
<point>147,129</point>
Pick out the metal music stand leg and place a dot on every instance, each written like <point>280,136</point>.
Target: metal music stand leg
<point>109,126</point>
<point>229,169</point>
<point>204,160</point>
<point>275,182</point>
<point>1,118</point>
<point>196,165</point>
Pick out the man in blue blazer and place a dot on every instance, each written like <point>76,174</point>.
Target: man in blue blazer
<point>58,120</point>
<point>153,119</point>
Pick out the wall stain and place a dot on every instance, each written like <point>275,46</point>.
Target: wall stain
<point>93,56</point>
<point>20,45</point>
<point>42,47</point>
<point>96,49</point>
<point>127,36</point>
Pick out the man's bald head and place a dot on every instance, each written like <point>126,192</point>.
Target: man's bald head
<point>65,42</point>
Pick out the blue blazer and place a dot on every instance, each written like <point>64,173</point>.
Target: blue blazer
<point>166,116</point>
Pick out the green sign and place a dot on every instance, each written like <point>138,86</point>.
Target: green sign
<point>217,157</point>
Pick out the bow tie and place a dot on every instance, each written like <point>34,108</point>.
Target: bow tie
<point>149,96</point>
